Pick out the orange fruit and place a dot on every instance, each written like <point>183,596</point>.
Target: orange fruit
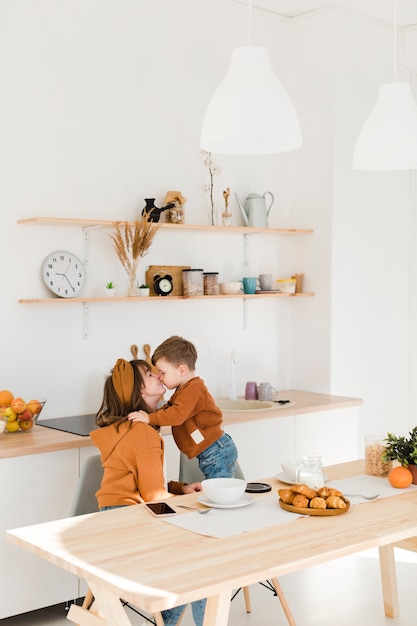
<point>34,406</point>
<point>400,477</point>
<point>18,405</point>
<point>6,396</point>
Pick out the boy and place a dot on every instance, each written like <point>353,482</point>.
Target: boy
<point>191,411</point>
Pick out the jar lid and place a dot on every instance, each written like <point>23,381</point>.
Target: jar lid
<point>205,273</point>
<point>193,270</point>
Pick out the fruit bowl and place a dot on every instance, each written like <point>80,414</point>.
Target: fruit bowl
<point>18,414</point>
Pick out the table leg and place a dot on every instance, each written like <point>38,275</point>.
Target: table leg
<point>217,610</point>
<point>111,610</point>
<point>389,580</point>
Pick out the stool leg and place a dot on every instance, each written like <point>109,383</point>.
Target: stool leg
<point>283,601</point>
<point>247,599</point>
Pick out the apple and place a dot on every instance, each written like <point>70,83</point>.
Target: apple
<point>18,405</point>
<point>26,424</point>
<point>26,415</point>
<point>10,414</point>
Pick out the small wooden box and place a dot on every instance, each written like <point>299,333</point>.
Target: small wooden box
<point>175,271</point>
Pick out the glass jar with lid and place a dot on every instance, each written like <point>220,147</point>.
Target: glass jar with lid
<point>211,283</point>
<point>192,282</point>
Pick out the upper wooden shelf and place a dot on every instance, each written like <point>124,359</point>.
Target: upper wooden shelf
<point>85,223</point>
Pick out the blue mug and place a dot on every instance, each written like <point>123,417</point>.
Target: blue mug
<point>249,284</point>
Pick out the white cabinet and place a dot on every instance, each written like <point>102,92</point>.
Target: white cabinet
<point>264,443</point>
<point>34,489</point>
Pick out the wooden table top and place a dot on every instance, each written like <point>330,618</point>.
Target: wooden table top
<point>156,565</point>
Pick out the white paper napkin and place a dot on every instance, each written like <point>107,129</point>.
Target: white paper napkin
<point>367,486</point>
<point>261,513</point>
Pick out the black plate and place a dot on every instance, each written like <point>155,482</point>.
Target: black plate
<point>257,488</point>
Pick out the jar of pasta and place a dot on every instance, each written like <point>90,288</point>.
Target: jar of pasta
<point>374,456</point>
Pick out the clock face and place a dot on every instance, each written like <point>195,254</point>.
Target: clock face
<point>64,274</point>
<point>163,285</point>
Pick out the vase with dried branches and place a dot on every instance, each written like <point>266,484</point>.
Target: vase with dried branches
<point>132,242</point>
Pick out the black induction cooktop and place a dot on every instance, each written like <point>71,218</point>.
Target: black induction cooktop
<point>76,424</point>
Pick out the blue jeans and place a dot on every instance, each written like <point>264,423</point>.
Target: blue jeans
<point>171,616</point>
<point>219,459</point>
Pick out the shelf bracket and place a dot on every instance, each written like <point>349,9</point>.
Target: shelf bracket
<point>86,315</point>
<point>245,313</point>
<point>86,236</point>
<point>245,250</point>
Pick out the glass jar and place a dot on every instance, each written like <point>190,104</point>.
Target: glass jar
<point>211,283</point>
<point>192,282</point>
<point>310,472</point>
<point>374,450</point>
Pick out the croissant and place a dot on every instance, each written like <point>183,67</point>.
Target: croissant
<point>335,502</point>
<point>304,490</point>
<point>324,492</point>
<point>300,501</point>
<point>286,495</point>
<point>318,503</point>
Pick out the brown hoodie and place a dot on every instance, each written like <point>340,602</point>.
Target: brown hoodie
<point>132,460</point>
<point>195,419</point>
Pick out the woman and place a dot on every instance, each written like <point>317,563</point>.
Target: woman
<point>132,453</point>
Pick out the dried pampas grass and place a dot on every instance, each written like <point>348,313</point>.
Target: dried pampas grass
<point>132,241</point>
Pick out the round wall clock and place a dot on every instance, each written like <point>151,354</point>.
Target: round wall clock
<point>64,274</point>
<point>163,285</point>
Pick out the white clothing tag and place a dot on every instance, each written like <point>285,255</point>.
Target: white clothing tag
<point>197,436</point>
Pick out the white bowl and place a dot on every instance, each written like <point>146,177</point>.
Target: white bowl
<point>231,288</point>
<point>290,468</point>
<point>223,490</point>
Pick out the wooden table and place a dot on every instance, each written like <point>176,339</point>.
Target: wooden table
<point>126,553</point>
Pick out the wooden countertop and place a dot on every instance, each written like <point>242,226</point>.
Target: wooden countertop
<point>304,402</point>
<point>41,439</point>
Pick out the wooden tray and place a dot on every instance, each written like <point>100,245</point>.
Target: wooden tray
<point>322,512</point>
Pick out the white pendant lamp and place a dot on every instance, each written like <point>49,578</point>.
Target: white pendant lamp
<point>250,112</point>
<point>388,138</point>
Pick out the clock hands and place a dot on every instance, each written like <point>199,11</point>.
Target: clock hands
<point>66,277</point>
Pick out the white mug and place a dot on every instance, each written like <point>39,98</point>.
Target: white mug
<point>266,392</point>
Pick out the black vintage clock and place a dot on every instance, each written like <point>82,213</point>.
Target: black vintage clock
<point>163,284</point>
<point>64,274</point>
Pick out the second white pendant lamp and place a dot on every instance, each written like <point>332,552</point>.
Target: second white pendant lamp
<point>388,138</point>
<point>251,111</point>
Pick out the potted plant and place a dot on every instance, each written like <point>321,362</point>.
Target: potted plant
<point>144,290</point>
<point>110,289</point>
<point>403,450</point>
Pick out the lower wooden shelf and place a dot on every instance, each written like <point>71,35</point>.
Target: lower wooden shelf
<point>244,296</point>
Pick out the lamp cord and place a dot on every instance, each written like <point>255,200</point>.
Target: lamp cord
<point>249,22</point>
<point>395,41</point>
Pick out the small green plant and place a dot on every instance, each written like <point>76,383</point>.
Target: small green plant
<point>401,449</point>
<point>144,287</point>
<point>110,285</point>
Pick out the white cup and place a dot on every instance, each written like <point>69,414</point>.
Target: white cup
<point>266,392</point>
<point>265,282</point>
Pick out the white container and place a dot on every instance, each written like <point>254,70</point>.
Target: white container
<point>287,285</point>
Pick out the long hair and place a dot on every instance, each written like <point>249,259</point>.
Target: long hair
<point>113,410</point>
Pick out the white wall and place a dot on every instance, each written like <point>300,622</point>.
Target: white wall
<point>103,107</point>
